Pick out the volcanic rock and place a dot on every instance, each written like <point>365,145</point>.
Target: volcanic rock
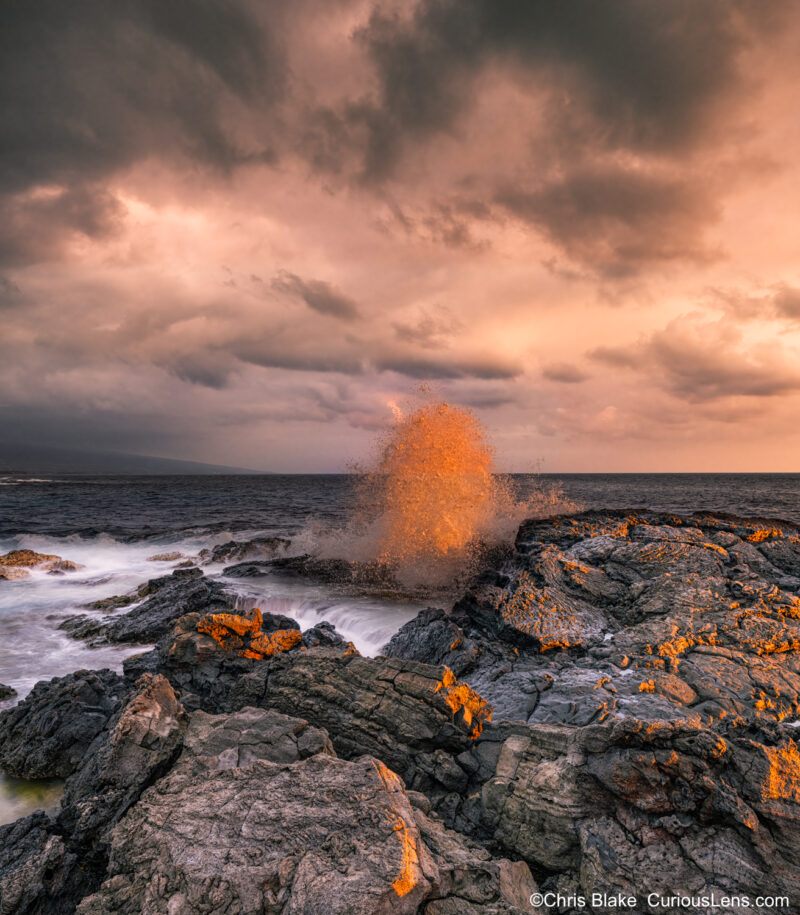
<point>140,743</point>
<point>6,692</point>
<point>628,614</point>
<point>168,598</point>
<point>49,732</point>
<point>16,564</point>
<point>259,816</point>
<point>257,548</point>
<point>36,869</point>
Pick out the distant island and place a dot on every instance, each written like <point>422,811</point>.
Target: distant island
<point>28,459</point>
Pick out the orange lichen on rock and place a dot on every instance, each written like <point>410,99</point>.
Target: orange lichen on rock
<point>26,558</point>
<point>406,880</point>
<point>648,686</point>
<point>533,611</point>
<point>763,534</point>
<point>243,635</point>
<point>220,625</point>
<point>265,645</point>
<point>782,781</point>
<point>461,698</point>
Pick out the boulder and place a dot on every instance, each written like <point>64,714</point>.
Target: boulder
<point>6,692</point>
<point>140,743</point>
<point>259,816</point>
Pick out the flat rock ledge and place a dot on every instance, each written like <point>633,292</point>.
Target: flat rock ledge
<point>611,708</point>
<point>18,563</point>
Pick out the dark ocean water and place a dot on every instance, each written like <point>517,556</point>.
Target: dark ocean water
<point>155,507</point>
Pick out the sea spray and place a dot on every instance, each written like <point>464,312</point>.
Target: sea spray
<point>431,503</point>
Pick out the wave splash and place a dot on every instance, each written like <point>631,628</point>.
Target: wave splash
<point>432,504</point>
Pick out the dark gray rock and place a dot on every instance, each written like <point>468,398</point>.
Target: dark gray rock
<point>167,599</point>
<point>251,821</point>
<point>257,548</point>
<point>628,614</point>
<point>324,634</point>
<point>6,692</point>
<point>49,732</point>
<point>140,743</point>
<point>37,872</point>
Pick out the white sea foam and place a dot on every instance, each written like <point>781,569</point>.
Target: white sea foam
<point>32,647</point>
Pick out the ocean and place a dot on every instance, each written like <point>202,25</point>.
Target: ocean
<point>113,526</point>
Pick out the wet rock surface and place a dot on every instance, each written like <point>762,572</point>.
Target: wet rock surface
<point>611,708</point>
<point>17,563</point>
<point>237,550</point>
<point>164,600</point>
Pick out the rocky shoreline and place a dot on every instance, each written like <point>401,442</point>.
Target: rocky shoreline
<point>611,708</point>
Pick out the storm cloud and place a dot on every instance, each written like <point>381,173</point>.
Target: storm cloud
<point>236,231</point>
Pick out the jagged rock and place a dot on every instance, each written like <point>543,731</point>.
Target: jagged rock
<point>139,743</point>
<point>619,614</point>
<point>16,564</point>
<point>168,598</point>
<point>285,826</point>
<point>323,634</point>
<point>258,547</point>
<point>628,806</point>
<point>245,636</point>
<point>470,881</point>
<point>337,572</point>
<point>238,739</point>
<point>644,674</point>
<point>49,732</point>
<point>36,869</point>
<point>113,603</point>
<point>6,692</point>
<point>412,716</point>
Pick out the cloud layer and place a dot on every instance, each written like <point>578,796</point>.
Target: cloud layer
<point>236,231</point>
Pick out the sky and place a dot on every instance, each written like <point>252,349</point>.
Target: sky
<point>240,232</point>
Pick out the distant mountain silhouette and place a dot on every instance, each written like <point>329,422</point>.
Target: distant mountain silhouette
<point>15,458</point>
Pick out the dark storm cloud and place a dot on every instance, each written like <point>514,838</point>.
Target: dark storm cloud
<point>701,362</point>
<point>565,373</point>
<point>433,330</point>
<point>780,301</point>
<point>704,370</point>
<point>318,295</point>
<point>787,302</point>
<point>642,75</point>
<point>274,353</point>
<point>616,219</point>
<point>634,83</point>
<point>10,293</point>
<point>355,357</point>
<point>616,356</point>
<point>35,227</point>
<point>431,368</point>
<point>89,87</point>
